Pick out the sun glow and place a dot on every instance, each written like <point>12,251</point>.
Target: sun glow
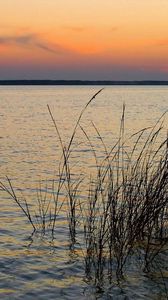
<point>93,33</point>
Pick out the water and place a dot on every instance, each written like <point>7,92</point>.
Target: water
<point>34,266</point>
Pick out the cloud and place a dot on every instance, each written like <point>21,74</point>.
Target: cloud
<point>32,40</point>
<point>75,28</point>
<point>162,43</point>
<point>79,29</point>
<point>113,28</point>
<point>13,26</point>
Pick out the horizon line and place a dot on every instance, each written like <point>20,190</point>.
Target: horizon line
<point>80,82</point>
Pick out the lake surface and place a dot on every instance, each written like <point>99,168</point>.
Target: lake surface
<point>34,266</point>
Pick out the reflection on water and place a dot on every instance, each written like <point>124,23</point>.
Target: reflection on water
<point>34,266</point>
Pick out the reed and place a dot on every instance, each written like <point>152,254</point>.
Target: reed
<point>127,203</point>
<point>22,203</point>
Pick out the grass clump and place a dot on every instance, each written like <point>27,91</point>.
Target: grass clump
<point>126,210</point>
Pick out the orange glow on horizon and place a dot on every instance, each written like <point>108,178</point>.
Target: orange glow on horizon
<point>96,32</point>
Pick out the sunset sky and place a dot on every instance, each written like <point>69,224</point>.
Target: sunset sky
<point>84,39</point>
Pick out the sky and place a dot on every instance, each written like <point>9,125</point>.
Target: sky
<point>84,39</point>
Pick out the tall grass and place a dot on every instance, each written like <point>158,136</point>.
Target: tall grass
<point>127,203</point>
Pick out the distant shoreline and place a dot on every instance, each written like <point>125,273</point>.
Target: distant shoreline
<point>82,82</point>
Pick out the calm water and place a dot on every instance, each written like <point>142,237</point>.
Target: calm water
<point>31,266</point>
